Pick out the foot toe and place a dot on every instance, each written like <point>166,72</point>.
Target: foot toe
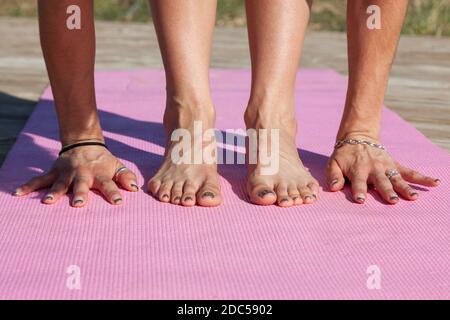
<point>263,195</point>
<point>209,195</point>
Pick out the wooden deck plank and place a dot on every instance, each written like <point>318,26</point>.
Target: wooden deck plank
<point>419,89</point>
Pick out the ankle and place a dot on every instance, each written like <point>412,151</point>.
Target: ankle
<point>267,115</point>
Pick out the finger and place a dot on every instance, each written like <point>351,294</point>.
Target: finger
<point>418,178</point>
<point>385,189</point>
<point>335,177</point>
<point>283,199</point>
<point>109,190</point>
<point>359,186</point>
<point>81,187</point>
<point>164,191</point>
<point>403,188</point>
<point>36,183</point>
<point>58,189</point>
<point>127,180</point>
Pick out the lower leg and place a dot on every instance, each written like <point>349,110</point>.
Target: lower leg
<point>185,29</point>
<point>275,48</point>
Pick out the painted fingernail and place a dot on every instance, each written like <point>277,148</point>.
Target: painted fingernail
<point>189,198</point>
<point>208,194</point>
<point>360,199</point>
<point>395,198</point>
<point>78,201</point>
<point>263,193</point>
<point>134,186</point>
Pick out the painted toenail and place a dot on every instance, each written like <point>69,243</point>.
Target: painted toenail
<point>176,199</point>
<point>134,186</point>
<point>334,182</point>
<point>294,198</point>
<point>308,197</point>
<point>188,198</point>
<point>413,194</point>
<point>284,200</point>
<point>263,193</point>
<point>314,196</point>
<point>78,201</point>
<point>117,201</point>
<point>437,181</point>
<point>49,197</point>
<point>361,199</point>
<point>395,198</point>
<point>208,194</point>
<point>165,196</point>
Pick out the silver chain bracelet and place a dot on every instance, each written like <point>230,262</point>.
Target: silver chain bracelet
<point>341,143</point>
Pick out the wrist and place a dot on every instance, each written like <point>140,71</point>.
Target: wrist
<point>92,134</point>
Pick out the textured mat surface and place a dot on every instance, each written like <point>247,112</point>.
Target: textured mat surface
<point>145,249</point>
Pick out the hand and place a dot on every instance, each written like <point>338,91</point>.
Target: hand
<point>364,165</point>
<point>82,169</point>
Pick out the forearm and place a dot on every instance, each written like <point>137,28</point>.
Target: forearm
<point>69,57</point>
<point>371,54</point>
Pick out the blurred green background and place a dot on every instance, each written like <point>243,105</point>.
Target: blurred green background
<point>425,17</point>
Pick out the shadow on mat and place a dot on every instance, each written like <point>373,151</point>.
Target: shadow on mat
<point>146,162</point>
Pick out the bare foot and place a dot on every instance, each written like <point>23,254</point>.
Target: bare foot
<point>292,184</point>
<point>186,184</point>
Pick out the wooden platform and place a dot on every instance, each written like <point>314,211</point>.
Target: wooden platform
<point>419,89</point>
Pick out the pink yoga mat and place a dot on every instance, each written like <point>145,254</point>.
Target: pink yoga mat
<point>148,250</point>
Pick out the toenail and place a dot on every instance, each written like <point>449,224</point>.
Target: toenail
<point>188,198</point>
<point>284,200</point>
<point>78,201</point>
<point>361,199</point>
<point>134,186</point>
<point>48,197</point>
<point>437,181</point>
<point>117,199</point>
<point>395,198</point>
<point>413,194</point>
<point>165,196</point>
<point>314,196</point>
<point>177,199</point>
<point>334,182</point>
<point>263,193</point>
<point>294,198</point>
<point>208,194</point>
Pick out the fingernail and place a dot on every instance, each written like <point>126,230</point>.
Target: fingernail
<point>263,193</point>
<point>395,198</point>
<point>134,186</point>
<point>189,198</point>
<point>49,197</point>
<point>208,194</point>
<point>78,201</point>
<point>361,199</point>
<point>334,182</point>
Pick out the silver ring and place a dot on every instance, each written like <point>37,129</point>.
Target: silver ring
<point>119,171</point>
<point>392,173</point>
